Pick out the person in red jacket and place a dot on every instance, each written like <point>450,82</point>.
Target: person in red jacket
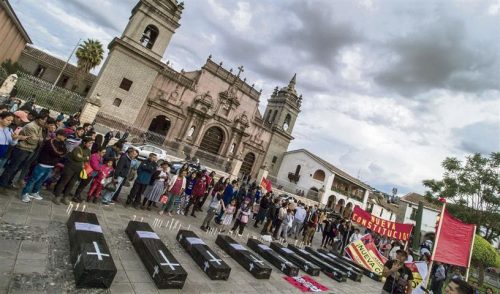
<point>210,186</point>
<point>200,186</point>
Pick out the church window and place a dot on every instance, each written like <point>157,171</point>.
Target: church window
<point>319,175</point>
<point>117,102</point>
<point>274,116</point>
<point>268,116</point>
<point>86,90</point>
<point>286,124</point>
<point>149,36</point>
<point>126,84</point>
<point>275,159</point>
<point>40,69</point>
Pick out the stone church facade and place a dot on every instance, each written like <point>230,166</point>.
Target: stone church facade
<point>211,113</point>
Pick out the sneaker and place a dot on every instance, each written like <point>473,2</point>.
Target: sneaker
<point>105,203</point>
<point>35,196</point>
<point>26,198</point>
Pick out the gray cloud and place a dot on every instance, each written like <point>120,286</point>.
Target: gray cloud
<point>482,137</point>
<point>438,56</point>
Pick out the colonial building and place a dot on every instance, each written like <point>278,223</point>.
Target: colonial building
<point>12,34</point>
<point>211,113</point>
<point>48,68</point>
<point>322,181</point>
<point>378,206</point>
<point>408,206</point>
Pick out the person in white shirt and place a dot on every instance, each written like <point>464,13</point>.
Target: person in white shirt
<point>355,236</point>
<point>298,221</point>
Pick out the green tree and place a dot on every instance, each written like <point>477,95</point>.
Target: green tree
<point>473,190</point>
<point>90,55</point>
<point>484,256</point>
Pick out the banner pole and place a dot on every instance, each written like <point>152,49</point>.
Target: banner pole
<point>470,255</point>
<point>438,232</point>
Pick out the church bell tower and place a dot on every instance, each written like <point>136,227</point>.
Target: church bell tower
<point>281,113</point>
<point>134,59</point>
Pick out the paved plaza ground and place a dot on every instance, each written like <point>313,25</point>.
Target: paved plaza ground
<point>34,254</point>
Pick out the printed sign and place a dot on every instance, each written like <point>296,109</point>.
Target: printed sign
<point>194,241</point>
<point>305,284</point>
<point>264,247</point>
<point>238,246</point>
<point>367,254</point>
<point>147,235</point>
<point>88,227</point>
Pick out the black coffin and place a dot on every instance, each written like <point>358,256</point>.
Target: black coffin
<point>93,265</point>
<point>329,270</point>
<point>209,262</point>
<point>164,269</point>
<point>244,257</point>
<point>303,264</point>
<point>351,272</point>
<point>273,257</point>
<point>349,262</point>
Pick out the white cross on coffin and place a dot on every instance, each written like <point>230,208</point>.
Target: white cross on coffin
<point>255,259</point>
<point>157,271</point>
<point>167,262</point>
<point>213,258</point>
<point>251,266</point>
<point>206,266</point>
<point>306,267</point>
<point>97,252</point>
<point>180,237</point>
<point>283,266</point>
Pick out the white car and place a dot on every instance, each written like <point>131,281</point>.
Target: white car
<point>145,150</point>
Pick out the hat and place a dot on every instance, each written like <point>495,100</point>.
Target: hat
<point>23,116</point>
<point>61,132</point>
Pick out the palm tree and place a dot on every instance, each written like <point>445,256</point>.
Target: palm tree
<point>90,55</point>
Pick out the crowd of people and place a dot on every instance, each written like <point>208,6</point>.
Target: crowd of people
<point>59,153</point>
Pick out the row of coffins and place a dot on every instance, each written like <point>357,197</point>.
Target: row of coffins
<point>93,265</point>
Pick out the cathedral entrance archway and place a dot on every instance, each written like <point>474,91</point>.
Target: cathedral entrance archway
<point>158,129</point>
<point>212,140</point>
<point>247,165</point>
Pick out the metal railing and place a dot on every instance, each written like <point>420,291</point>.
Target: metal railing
<point>57,99</point>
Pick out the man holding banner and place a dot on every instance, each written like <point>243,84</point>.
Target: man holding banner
<point>398,275</point>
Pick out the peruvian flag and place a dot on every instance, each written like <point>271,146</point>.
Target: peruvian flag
<point>454,241</point>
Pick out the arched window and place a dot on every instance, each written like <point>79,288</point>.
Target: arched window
<point>212,140</point>
<point>274,115</point>
<point>158,129</point>
<point>331,201</point>
<point>348,210</point>
<point>297,170</point>
<point>149,36</point>
<point>319,175</point>
<point>268,116</point>
<point>286,123</point>
<point>313,194</point>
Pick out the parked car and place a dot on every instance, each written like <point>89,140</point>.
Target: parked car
<point>145,150</point>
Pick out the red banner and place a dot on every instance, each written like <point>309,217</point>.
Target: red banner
<point>454,242</point>
<point>381,226</point>
<point>305,284</point>
<point>365,253</point>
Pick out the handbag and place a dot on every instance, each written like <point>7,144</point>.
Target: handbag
<point>163,199</point>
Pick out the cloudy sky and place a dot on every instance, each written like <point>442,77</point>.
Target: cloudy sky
<point>390,87</point>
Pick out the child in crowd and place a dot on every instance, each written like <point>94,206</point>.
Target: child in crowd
<point>255,210</point>
<point>215,206</point>
<point>242,218</point>
<point>228,215</point>
<point>51,182</point>
<point>102,179</point>
<point>184,199</point>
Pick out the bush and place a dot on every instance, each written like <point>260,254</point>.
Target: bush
<point>483,256</point>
